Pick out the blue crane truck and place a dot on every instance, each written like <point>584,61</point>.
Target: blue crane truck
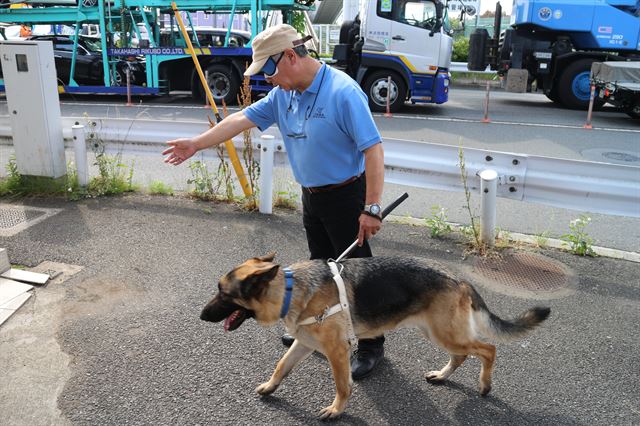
<point>553,43</point>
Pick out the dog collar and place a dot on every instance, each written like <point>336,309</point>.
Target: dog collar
<point>288,280</point>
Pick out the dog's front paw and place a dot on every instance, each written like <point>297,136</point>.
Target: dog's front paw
<point>266,388</point>
<point>330,412</point>
<point>435,376</point>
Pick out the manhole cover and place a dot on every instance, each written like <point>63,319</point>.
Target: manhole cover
<point>15,218</point>
<point>609,156</point>
<point>621,156</point>
<point>524,271</point>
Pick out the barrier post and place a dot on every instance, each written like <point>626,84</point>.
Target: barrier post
<point>206,98</point>
<point>128,87</point>
<point>266,173</point>
<point>80,150</point>
<point>388,113</point>
<point>488,196</point>
<point>486,105</point>
<point>592,98</point>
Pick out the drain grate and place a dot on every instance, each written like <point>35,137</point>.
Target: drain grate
<point>524,271</point>
<point>15,218</point>
<point>10,217</point>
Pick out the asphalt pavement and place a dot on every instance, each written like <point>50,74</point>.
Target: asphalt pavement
<point>121,342</point>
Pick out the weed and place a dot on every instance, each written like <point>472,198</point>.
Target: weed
<point>438,222</point>
<point>288,198</point>
<point>10,184</point>
<point>542,238</point>
<point>160,188</point>
<point>503,239</point>
<point>114,177</point>
<point>251,165</point>
<point>202,181</point>
<point>74,190</point>
<point>474,236</point>
<point>580,242</point>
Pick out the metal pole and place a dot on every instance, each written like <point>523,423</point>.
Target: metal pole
<point>80,150</point>
<point>128,87</point>
<point>486,105</point>
<point>592,97</point>
<point>266,173</point>
<point>488,195</point>
<point>388,113</point>
<point>206,98</point>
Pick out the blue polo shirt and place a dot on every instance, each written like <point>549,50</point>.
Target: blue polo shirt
<point>325,129</point>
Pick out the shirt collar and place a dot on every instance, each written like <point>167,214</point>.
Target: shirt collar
<point>315,84</point>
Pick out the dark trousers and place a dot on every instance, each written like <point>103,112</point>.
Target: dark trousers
<point>331,221</point>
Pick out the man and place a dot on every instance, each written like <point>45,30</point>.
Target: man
<point>333,146</point>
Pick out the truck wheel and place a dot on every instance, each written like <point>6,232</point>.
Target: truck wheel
<point>376,89</point>
<point>574,85</point>
<point>223,82</point>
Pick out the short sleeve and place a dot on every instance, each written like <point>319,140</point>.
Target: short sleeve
<point>262,113</point>
<point>357,120</point>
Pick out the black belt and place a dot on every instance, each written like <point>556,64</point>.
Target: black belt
<point>330,187</point>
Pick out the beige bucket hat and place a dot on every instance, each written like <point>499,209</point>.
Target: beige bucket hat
<point>270,42</point>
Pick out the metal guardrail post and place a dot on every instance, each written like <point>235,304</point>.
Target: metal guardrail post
<point>488,196</point>
<point>592,97</point>
<point>266,173</point>
<point>80,150</point>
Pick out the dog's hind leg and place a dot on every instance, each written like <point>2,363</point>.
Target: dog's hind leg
<point>487,355</point>
<point>455,361</point>
<point>341,367</point>
<point>296,353</point>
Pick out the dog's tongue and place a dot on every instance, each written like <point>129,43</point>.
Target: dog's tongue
<point>229,320</point>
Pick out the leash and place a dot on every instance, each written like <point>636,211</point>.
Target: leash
<point>336,270</point>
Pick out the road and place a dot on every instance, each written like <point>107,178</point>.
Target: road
<point>120,342</point>
<point>520,123</point>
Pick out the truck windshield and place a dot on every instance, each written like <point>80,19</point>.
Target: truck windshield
<point>418,13</point>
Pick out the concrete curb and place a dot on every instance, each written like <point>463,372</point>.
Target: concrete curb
<point>530,239</point>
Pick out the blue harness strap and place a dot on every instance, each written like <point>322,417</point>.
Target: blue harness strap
<point>288,280</point>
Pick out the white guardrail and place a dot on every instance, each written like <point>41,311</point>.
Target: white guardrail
<point>462,67</point>
<point>579,185</point>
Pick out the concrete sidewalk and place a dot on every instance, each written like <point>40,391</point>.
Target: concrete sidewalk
<point>120,341</point>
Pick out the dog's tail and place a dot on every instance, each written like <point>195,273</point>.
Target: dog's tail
<point>490,325</point>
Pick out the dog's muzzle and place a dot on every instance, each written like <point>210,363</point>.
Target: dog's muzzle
<point>218,310</point>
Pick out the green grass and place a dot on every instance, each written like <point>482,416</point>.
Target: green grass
<point>458,75</point>
<point>160,188</point>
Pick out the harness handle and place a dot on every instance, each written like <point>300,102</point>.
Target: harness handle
<point>384,214</point>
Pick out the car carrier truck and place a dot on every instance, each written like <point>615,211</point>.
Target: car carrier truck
<point>553,43</point>
<point>405,40</point>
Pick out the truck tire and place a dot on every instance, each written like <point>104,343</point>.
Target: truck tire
<point>574,85</point>
<point>223,82</point>
<point>375,87</point>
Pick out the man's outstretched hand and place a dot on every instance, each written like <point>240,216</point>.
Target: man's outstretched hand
<point>179,150</point>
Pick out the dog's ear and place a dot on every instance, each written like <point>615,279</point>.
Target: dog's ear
<point>267,258</point>
<point>255,284</point>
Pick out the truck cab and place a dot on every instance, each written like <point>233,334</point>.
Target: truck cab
<point>402,41</point>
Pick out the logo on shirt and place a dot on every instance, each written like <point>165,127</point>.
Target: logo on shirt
<point>319,113</point>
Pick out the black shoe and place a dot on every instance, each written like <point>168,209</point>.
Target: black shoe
<point>364,361</point>
<point>288,340</point>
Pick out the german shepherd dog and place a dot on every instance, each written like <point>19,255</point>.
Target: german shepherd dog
<point>384,293</point>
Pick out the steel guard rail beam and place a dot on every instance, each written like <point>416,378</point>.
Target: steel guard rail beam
<point>572,184</point>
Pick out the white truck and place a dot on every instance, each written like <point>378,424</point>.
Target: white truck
<point>408,41</point>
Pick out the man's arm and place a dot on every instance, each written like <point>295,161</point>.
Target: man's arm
<point>374,172</point>
<point>231,126</point>
<point>182,149</point>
